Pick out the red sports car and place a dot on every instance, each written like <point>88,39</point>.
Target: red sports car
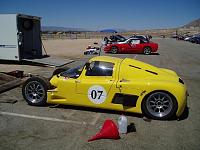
<point>132,45</point>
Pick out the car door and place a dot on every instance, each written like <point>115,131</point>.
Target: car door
<point>126,47</point>
<point>94,84</point>
<point>136,45</point>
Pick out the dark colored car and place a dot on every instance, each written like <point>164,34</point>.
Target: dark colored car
<point>117,38</point>
<point>142,37</point>
<point>195,40</point>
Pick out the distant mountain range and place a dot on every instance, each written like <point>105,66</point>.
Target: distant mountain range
<point>195,23</point>
<point>112,30</point>
<point>62,29</point>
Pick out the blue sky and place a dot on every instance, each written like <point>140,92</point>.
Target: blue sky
<point>101,14</point>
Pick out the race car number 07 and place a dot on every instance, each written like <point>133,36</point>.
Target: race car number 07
<point>97,94</point>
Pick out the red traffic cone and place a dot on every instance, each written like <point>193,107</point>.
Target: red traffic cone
<point>108,131</point>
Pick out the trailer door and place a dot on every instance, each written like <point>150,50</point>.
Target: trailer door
<point>8,37</point>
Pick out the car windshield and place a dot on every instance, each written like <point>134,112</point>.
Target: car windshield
<point>73,72</point>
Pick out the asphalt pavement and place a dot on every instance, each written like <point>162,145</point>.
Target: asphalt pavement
<point>67,127</point>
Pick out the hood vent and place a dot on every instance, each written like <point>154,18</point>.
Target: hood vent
<point>145,70</point>
<point>151,72</point>
<point>135,66</point>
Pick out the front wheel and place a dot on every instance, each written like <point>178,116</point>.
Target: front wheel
<point>34,91</point>
<point>159,105</point>
<point>147,50</point>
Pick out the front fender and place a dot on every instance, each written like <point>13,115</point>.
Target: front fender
<point>178,90</point>
<point>144,88</point>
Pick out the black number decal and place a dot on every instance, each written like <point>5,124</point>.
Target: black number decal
<point>94,94</point>
<point>101,92</point>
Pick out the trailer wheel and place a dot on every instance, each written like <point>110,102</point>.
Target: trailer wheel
<point>34,91</point>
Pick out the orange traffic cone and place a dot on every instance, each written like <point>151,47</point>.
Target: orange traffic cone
<point>108,131</point>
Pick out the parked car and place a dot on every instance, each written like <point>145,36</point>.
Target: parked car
<point>113,39</point>
<point>195,40</point>
<point>117,38</point>
<point>187,38</point>
<point>132,45</point>
<point>104,82</point>
<point>142,37</point>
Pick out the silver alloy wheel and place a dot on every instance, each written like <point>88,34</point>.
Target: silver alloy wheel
<point>147,50</point>
<point>159,104</point>
<point>34,92</point>
<point>114,50</point>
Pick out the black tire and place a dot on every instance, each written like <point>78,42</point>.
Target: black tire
<point>147,50</point>
<point>159,105</point>
<point>34,90</point>
<point>114,50</point>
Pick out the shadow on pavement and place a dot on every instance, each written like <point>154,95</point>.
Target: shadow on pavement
<point>182,117</point>
<point>185,114</point>
<point>96,110</point>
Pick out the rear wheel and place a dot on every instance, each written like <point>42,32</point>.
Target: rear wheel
<point>147,50</point>
<point>114,50</point>
<point>159,105</point>
<point>34,91</point>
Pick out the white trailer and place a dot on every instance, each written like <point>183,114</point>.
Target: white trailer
<point>20,37</point>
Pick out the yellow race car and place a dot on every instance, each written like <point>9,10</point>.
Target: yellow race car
<point>112,83</point>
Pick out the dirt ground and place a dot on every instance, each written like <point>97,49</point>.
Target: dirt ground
<point>69,48</point>
<point>68,127</point>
